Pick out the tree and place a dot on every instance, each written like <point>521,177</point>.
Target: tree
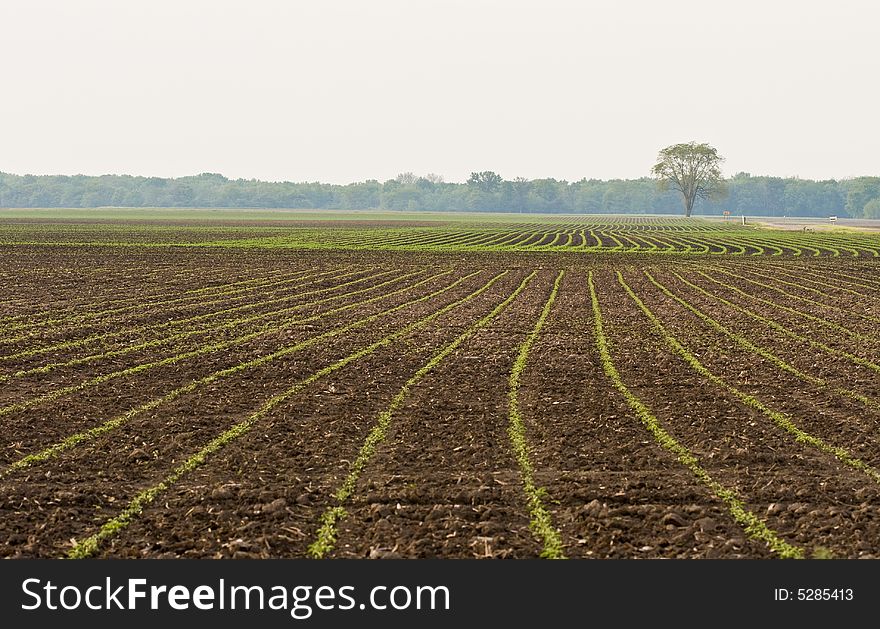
<point>544,195</point>
<point>872,209</point>
<point>485,181</point>
<point>859,192</point>
<point>406,179</point>
<point>692,169</point>
<point>518,193</point>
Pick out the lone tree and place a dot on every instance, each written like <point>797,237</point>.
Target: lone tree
<point>692,169</point>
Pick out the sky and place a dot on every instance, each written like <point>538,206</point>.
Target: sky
<point>347,90</point>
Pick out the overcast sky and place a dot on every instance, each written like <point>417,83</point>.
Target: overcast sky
<point>347,90</point>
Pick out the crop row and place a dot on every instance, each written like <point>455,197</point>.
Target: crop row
<point>753,525</point>
<point>91,545</point>
<point>784,421</point>
<point>205,349</point>
<point>538,503</point>
<point>39,325</point>
<point>326,534</point>
<point>210,329</point>
<point>775,325</point>
<point>752,347</point>
<point>814,319</point>
<point>127,329</point>
<point>52,313</point>
<point>243,366</point>
<point>588,234</point>
<point>745,242</point>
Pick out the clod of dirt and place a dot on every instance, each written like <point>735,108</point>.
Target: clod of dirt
<point>275,506</point>
<point>139,455</point>
<point>383,526</point>
<point>240,554</point>
<point>594,509</point>
<point>673,519</point>
<point>774,508</point>
<point>383,553</point>
<point>221,492</point>
<point>380,510</point>
<point>437,513</point>
<point>863,493</point>
<point>489,528</point>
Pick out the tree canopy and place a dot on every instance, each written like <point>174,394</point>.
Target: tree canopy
<point>747,194</point>
<point>485,181</point>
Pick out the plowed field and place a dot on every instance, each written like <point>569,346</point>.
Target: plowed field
<point>296,401</point>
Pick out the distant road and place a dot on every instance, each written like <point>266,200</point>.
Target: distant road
<point>798,223</point>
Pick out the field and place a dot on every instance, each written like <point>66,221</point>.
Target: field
<point>254,385</point>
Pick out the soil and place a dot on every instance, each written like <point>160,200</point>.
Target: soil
<point>444,481</point>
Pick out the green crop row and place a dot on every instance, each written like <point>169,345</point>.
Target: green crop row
<point>798,313</point>
<point>754,527</point>
<point>172,395</point>
<point>139,300</point>
<point>775,360</point>
<point>849,312</point>
<point>210,329</point>
<point>541,521</point>
<point>326,535</point>
<point>206,349</point>
<point>781,328</point>
<point>91,545</point>
<point>835,281</point>
<point>129,330</point>
<point>782,420</point>
<point>141,307</point>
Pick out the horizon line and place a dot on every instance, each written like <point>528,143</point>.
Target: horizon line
<point>423,176</point>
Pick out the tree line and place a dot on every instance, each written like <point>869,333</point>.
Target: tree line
<point>485,191</point>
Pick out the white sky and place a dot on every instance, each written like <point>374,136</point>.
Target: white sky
<point>347,90</point>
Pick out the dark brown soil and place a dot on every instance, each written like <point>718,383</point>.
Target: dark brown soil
<point>444,481</point>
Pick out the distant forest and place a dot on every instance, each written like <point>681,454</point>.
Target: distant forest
<point>483,192</point>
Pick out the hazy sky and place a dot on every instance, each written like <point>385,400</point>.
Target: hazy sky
<point>347,90</point>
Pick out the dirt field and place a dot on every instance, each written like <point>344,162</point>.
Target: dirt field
<point>202,402</point>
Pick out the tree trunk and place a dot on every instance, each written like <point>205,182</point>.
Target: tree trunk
<point>688,202</point>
